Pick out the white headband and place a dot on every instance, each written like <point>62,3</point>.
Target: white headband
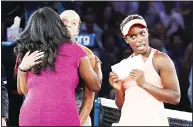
<point>128,25</point>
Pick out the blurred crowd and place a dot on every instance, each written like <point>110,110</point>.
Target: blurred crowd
<point>169,25</point>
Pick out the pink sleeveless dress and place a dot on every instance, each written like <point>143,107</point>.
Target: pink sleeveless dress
<point>50,100</point>
<point>140,108</point>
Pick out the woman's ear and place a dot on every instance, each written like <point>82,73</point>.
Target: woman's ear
<point>147,32</point>
<point>125,38</point>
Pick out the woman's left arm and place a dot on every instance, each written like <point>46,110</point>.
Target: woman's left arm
<point>28,61</point>
<point>170,93</point>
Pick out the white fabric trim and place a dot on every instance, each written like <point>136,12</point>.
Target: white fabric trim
<point>131,23</point>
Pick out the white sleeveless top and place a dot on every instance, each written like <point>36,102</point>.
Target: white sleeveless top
<point>140,108</point>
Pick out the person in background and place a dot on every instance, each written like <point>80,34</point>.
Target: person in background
<point>4,99</point>
<point>89,26</point>
<point>4,104</point>
<point>190,88</point>
<point>158,44</point>
<point>141,94</point>
<point>188,67</point>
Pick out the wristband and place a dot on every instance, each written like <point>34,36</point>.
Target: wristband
<point>22,70</point>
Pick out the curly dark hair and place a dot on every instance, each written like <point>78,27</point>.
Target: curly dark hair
<point>44,32</point>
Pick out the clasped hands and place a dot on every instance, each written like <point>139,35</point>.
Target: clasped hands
<point>135,74</point>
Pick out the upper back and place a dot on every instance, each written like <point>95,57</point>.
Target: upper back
<point>66,67</point>
<point>71,49</point>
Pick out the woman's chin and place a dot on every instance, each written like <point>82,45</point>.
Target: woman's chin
<point>141,50</point>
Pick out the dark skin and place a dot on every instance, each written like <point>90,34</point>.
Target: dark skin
<point>89,76</point>
<point>137,38</point>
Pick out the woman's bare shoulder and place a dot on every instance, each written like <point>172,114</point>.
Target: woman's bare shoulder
<point>87,50</point>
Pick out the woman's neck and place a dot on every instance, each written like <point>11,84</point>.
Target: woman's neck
<point>145,54</point>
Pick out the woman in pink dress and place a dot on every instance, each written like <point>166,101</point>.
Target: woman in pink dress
<point>52,64</point>
<point>140,96</point>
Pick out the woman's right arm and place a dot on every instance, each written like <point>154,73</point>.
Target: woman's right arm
<point>119,98</point>
<point>92,78</point>
<point>117,84</point>
<point>22,83</point>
